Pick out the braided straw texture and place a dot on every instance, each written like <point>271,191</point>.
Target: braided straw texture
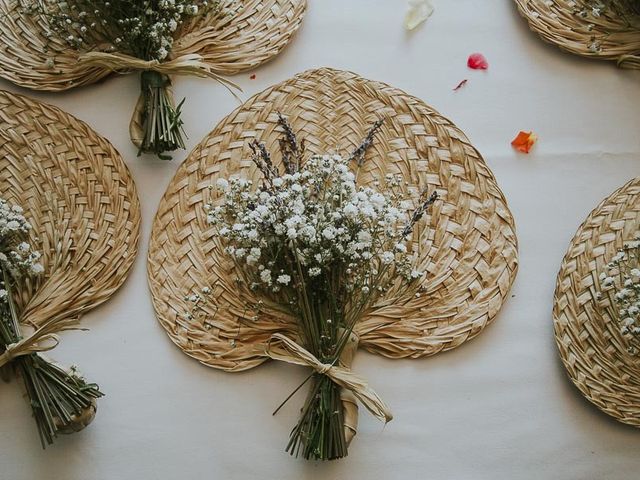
<point>559,22</point>
<point>591,347</point>
<point>81,201</point>
<point>229,43</point>
<point>469,248</point>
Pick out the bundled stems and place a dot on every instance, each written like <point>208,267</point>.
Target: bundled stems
<point>61,401</point>
<point>161,123</point>
<point>319,433</point>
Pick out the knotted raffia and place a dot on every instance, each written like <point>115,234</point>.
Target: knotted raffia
<point>283,349</point>
<point>606,36</point>
<point>292,353</point>
<point>466,244</point>
<point>43,339</point>
<point>190,64</point>
<point>80,199</point>
<point>591,347</point>
<point>227,44</point>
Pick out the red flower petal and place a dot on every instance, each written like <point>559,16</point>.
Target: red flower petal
<point>253,77</point>
<point>524,141</point>
<point>477,62</point>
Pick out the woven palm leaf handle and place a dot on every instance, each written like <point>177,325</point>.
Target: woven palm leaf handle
<point>82,203</point>
<point>467,244</point>
<point>593,351</point>
<point>588,28</point>
<point>629,61</point>
<point>225,44</point>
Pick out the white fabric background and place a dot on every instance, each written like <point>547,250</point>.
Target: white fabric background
<point>500,407</point>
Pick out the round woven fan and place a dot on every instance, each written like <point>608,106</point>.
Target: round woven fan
<point>469,249</point>
<point>583,28</point>
<point>230,44</point>
<point>81,201</point>
<point>591,346</point>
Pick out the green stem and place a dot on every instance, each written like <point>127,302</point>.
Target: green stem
<point>319,434</point>
<point>55,395</point>
<point>161,121</point>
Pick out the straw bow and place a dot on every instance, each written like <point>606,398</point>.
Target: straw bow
<point>282,348</point>
<point>187,64</point>
<point>43,339</point>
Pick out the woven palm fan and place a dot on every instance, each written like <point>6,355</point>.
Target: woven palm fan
<point>230,44</point>
<point>80,199</point>
<point>211,46</point>
<point>592,349</point>
<point>469,250</point>
<point>606,29</point>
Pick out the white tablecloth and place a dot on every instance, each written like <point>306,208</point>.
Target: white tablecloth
<point>500,407</point>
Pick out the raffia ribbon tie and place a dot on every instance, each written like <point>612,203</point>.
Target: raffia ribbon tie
<point>44,338</point>
<point>283,349</point>
<point>188,64</point>
<point>38,342</point>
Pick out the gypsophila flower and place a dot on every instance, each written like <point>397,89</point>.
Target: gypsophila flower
<point>125,30</point>
<point>17,257</point>
<point>620,288</point>
<point>144,29</point>
<point>60,399</point>
<point>322,247</point>
<point>595,30</point>
<point>357,225</point>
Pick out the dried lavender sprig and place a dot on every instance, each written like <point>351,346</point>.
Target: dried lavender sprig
<point>358,153</point>
<point>262,159</point>
<point>292,152</point>
<point>419,212</point>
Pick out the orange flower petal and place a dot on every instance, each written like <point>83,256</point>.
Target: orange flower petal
<point>524,141</point>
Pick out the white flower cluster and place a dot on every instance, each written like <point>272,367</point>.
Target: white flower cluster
<point>307,224</point>
<point>621,282</point>
<point>144,29</point>
<point>593,10</point>
<point>16,256</point>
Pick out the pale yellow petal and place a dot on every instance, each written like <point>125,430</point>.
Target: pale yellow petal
<point>419,11</point>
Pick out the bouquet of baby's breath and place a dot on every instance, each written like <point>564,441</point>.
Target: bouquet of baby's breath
<point>61,400</point>
<point>134,34</point>
<point>620,284</point>
<point>596,10</point>
<point>325,249</point>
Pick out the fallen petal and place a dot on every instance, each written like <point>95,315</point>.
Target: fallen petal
<point>460,85</point>
<point>419,12</point>
<point>524,141</point>
<point>477,61</point>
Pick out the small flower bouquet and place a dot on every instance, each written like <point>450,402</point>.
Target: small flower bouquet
<point>319,247</point>
<point>604,29</point>
<point>61,400</point>
<point>620,286</point>
<point>594,11</point>
<point>121,35</point>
